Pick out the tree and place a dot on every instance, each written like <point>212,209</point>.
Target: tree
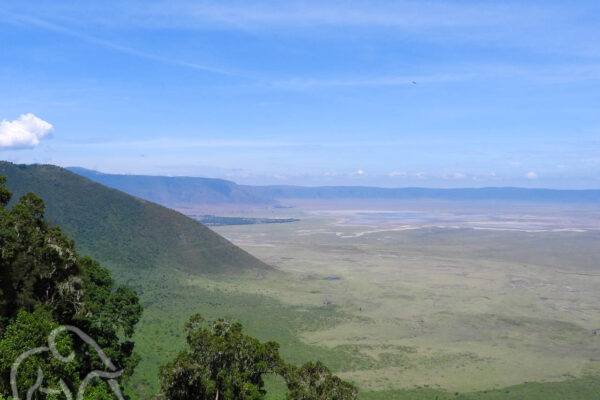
<point>221,363</point>
<point>45,283</point>
<point>314,381</point>
<point>29,331</point>
<point>5,194</point>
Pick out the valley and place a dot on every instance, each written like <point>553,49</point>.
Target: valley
<point>454,309</point>
<point>413,299</point>
<point>403,309</point>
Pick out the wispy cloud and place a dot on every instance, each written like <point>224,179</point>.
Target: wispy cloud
<point>455,175</point>
<point>240,14</point>
<point>505,24</point>
<point>406,80</point>
<point>406,15</point>
<point>532,74</point>
<point>41,23</point>
<point>403,14</point>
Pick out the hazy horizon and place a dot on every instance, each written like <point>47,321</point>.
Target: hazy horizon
<point>365,184</point>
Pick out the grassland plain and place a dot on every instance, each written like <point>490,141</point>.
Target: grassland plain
<point>406,314</point>
<point>170,297</point>
<point>450,310</point>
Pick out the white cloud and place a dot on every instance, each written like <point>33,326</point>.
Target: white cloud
<point>24,132</point>
<point>397,174</point>
<point>458,175</point>
<point>531,175</point>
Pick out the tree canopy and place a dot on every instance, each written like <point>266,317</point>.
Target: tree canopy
<point>44,283</point>
<point>224,363</point>
<point>314,381</point>
<point>221,363</point>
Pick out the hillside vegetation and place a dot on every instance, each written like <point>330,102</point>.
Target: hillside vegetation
<point>44,283</point>
<point>125,231</point>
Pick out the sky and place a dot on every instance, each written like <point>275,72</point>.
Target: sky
<point>377,93</point>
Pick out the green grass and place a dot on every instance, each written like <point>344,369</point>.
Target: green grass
<point>170,298</point>
<point>574,389</point>
<point>214,220</point>
<point>429,309</point>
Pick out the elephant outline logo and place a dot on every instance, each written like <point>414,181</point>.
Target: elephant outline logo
<point>110,376</point>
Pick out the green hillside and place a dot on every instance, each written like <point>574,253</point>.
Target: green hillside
<point>123,231</point>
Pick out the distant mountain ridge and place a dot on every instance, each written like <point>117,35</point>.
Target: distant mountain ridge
<point>123,231</point>
<point>177,191</point>
<point>415,193</point>
<point>183,191</point>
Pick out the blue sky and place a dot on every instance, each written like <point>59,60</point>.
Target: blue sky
<point>307,92</point>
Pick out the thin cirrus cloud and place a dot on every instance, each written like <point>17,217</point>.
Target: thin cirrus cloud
<point>518,23</point>
<point>512,23</point>
<point>550,74</point>
<point>398,14</point>
<point>238,14</point>
<point>521,24</point>
<point>24,132</point>
<point>47,25</point>
<point>327,13</point>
